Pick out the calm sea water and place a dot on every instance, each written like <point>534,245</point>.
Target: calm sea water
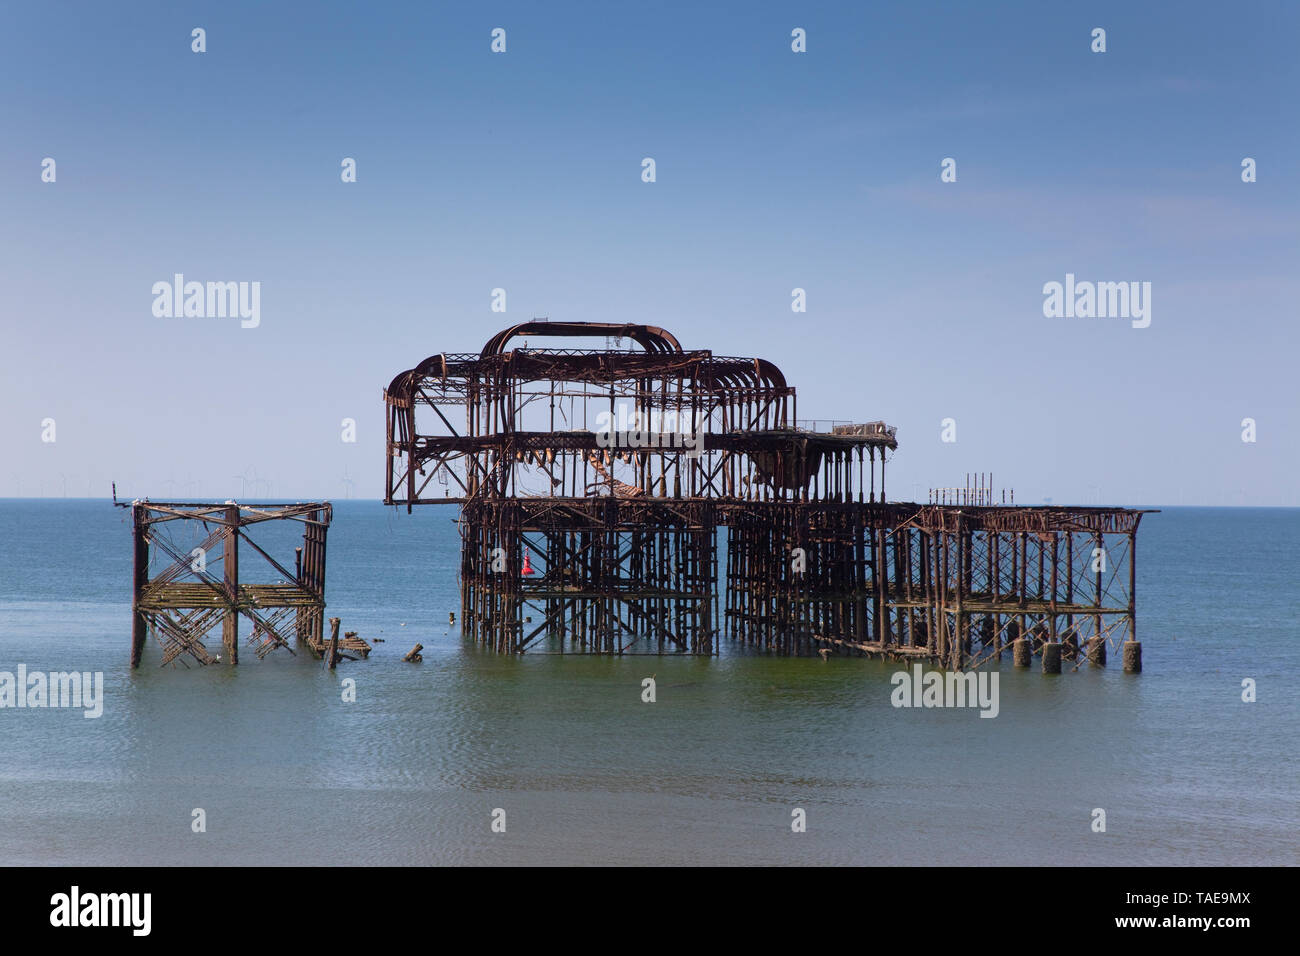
<point>411,772</point>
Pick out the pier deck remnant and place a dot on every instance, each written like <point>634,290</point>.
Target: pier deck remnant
<point>593,483</point>
<point>188,578</point>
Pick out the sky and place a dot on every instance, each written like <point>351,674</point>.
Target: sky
<point>774,170</point>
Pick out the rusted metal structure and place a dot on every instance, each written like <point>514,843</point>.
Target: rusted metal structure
<point>958,585</point>
<point>595,483</point>
<point>188,578</point>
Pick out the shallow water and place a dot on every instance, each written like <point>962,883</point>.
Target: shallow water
<point>286,772</point>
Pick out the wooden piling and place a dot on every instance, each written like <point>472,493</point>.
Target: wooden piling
<point>332,655</point>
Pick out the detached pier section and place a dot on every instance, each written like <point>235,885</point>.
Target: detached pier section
<point>189,578</point>
<point>957,585</point>
<point>606,493</point>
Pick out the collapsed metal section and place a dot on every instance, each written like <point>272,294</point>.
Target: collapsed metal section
<point>188,578</point>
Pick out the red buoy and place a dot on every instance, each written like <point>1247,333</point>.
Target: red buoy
<point>528,567</point>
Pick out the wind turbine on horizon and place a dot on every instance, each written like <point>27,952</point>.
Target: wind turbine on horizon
<point>251,479</point>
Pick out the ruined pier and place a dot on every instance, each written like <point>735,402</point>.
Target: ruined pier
<point>610,495</point>
<point>189,579</point>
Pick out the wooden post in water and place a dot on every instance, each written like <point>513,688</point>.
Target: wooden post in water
<point>332,655</point>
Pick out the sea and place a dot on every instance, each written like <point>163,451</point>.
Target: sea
<point>474,758</point>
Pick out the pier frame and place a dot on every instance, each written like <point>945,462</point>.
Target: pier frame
<point>606,574</point>
<point>199,583</point>
<point>621,525</point>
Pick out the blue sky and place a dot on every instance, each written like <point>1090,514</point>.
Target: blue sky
<point>775,170</point>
